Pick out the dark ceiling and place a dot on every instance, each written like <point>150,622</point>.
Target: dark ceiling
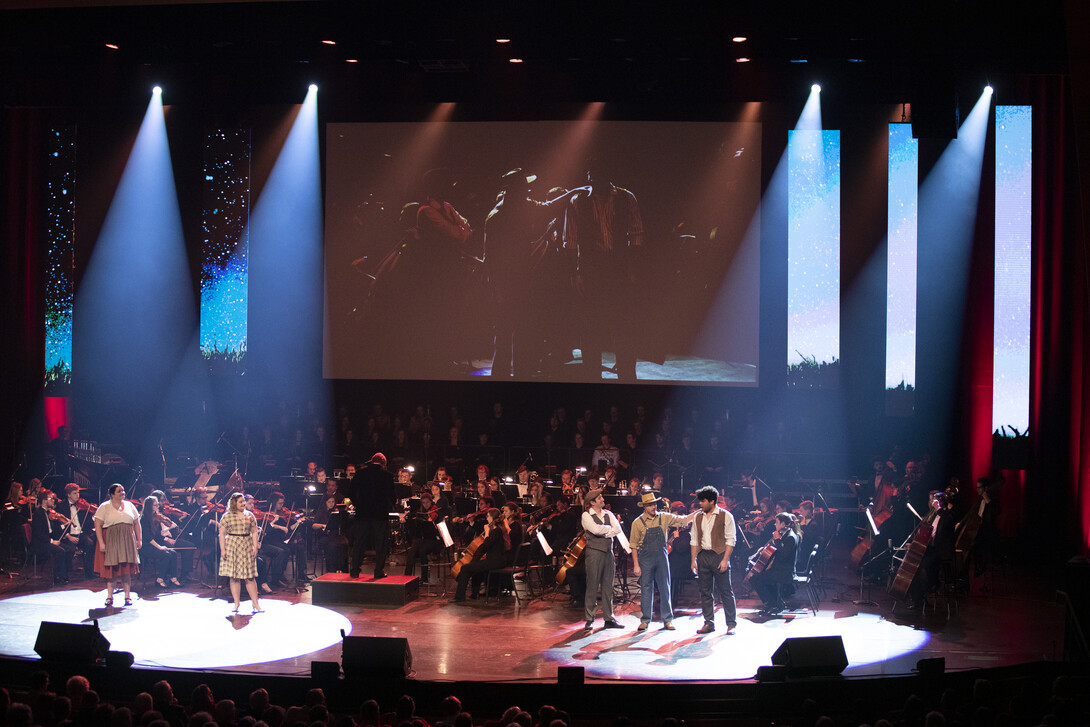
<point>658,54</point>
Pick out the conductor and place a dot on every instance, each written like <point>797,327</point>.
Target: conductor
<point>372,496</point>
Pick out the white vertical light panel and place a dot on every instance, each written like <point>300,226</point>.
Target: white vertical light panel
<point>1013,215</point>
<point>901,219</point>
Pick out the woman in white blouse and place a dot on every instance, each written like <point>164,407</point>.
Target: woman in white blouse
<point>117,527</point>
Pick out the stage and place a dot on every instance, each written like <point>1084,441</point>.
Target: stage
<point>1014,621</point>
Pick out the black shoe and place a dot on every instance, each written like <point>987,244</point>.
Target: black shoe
<point>613,625</point>
<point>379,575</point>
<point>588,626</point>
<point>60,581</point>
<point>353,576</point>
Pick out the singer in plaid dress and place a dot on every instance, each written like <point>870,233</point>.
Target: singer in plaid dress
<point>238,550</point>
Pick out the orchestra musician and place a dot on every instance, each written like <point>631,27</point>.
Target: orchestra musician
<point>650,533</point>
<point>117,529</point>
<point>778,578</point>
<point>158,553</point>
<point>489,556</point>
<point>284,528</point>
<point>263,561</point>
<point>177,538</point>
<point>600,527</point>
<point>943,519</point>
<point>16,514</point>
<point>987,537</point>
<point>329,524</point>
<point>49,530</point>
<point>425,533</point>
<point>80,512</point>
<point>812,529</point>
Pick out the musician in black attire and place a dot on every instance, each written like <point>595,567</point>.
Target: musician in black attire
<point>940,550</point>
<point>423,530</point>
<point>47,538</point>
<point>372,495</point>
<point>490,555</point>
<point>82,532</point>
<point>778,578</point>
<point>329,525</point>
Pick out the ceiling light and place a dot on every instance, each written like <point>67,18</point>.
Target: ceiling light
<point>741,60</point>
<point>514,60</point>
<point>111,46</point>
<point>503,40</point>
<point>739,39</point>
<point>351,60</point>
<point>329,42</point>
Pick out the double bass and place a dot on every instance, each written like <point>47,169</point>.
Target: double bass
<point>881,508</point>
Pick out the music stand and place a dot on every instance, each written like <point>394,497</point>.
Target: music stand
<point>863,566</point>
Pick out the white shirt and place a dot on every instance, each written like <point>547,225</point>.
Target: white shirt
<point>728,528</point>
<point>610,528</point>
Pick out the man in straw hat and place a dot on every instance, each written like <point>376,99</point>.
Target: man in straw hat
<point>650,533</point>
<point>600,526</point>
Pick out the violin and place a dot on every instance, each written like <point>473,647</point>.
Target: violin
<point>214,507</point>
<point>173,512</point>
<point>54,515</point>
<point>84,506</point>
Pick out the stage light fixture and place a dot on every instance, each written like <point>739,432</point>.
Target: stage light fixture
<point>515,60</point>
<point>816,88</point>
<point>351,60</point>
<point>741,60</point>
<point>739,39</point>
<point>112,46</point>
<point>329,42</point>
<point>988,89</point>
<point>503,40</point>
<point>313,87</point>
<point>156,90</point>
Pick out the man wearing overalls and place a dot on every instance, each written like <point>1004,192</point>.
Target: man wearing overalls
<point>650,533</point>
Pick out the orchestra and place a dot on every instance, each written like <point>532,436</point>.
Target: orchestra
<point>351,515</point>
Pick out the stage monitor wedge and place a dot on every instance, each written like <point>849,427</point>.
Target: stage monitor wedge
<point>376,657</point>
<point>74,643</point>
<point>812,656</point>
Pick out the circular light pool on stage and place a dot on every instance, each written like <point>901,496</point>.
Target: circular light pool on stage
<point>683,655</point>
<point>178,630</point>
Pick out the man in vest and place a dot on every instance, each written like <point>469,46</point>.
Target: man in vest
<point>600,526</point>
<point>712,543</point>
<point>650,533</point>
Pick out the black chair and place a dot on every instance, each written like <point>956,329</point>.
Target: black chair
<point>808,582</point>
<point>506,576</point>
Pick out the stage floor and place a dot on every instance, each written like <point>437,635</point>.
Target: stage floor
<point>1014,621</point>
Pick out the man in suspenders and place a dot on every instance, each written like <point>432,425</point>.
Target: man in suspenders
<point>600,526</point>
<point>713,542</point>
<point>650,532</point>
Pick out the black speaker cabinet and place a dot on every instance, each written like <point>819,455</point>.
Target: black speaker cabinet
<point>812,656</point>
<point>77,643</point>
<point>376,656</point>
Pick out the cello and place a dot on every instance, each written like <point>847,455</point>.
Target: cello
<point>761,559</point>
<point>467,555</point>
<point>920,540</point>
<point>572,556</point>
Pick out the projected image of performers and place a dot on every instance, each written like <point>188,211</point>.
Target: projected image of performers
<point>481,255</point>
